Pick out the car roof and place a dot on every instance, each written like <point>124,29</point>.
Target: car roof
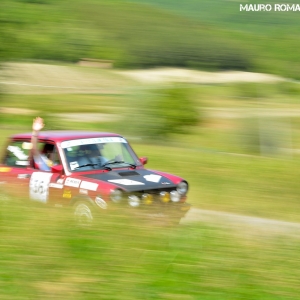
<point>65,135</point>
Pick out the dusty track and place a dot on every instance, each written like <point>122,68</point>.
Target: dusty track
<point>252,225</point>
<point>34,78</point>
<point>163,75</point>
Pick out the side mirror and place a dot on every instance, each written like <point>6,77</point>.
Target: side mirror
<point>143,160</point>
<point>57,169</point>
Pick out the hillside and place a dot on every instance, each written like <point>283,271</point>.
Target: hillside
<point>151,33</point>
<point>271,36</point>
<point>226,14</point>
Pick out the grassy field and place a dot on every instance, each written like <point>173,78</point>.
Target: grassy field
<point>43,255</point>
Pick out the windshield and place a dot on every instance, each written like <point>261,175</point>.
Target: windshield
<point>98,153</point>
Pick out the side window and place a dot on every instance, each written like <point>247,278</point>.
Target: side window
<point>17,154</point>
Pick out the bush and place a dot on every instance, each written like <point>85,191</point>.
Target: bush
<point>163,112</point>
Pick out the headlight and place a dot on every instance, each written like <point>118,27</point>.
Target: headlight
<point>116,196</point>
<point>164,197</point>
<point>147,199</point>
<point>133,201</point>
<point>175,196</point>
<point>182,188</point>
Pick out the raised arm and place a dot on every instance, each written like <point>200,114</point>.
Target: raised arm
<point>37,125</point>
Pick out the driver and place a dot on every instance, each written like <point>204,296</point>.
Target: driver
<point>92,156</point>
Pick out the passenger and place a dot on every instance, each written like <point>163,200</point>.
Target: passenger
<point>42,160</point>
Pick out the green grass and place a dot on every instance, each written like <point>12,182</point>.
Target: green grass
<point>65,103</point>
<point>265,187</point>
<point>227,14</point>
<point>43,255</point>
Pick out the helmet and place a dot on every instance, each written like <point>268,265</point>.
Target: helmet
<point>48,148</point>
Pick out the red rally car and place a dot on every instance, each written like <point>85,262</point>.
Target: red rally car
<point>90,172</point>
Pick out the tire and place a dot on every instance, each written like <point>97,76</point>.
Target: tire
<point>83,213</point>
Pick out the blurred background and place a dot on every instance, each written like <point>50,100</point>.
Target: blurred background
<point>206,92</point>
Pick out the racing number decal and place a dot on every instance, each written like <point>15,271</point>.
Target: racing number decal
<point>39,186</point>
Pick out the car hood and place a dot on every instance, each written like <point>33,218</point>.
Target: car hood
<point>134,180</point>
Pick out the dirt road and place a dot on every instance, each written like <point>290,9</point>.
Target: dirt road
<point>34,78</point>
<point>249,225</point>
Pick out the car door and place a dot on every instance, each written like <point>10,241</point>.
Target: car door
<point>44,186</point>
<point>20,179</point>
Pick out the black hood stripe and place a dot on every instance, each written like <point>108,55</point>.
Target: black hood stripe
<point>138,180</point>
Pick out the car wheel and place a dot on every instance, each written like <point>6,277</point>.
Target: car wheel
<point>83,213</point>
